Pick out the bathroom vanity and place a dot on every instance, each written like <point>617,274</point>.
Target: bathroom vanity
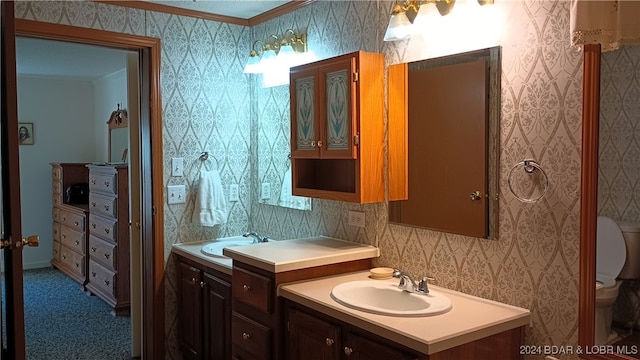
<point>274,299</point>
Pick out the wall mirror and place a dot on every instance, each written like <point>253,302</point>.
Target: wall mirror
<point>445,113</point>
<point>274,164</point>
<point>118,136</point>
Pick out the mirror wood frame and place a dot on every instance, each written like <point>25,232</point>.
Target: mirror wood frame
<point>589,201</point>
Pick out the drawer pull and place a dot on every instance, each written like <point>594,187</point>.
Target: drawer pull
<point>106,256</point>
<point>93,204</point>
<point>76,223</point>
<point>329,341</point>
<point>246,288</point>
<point>348,350</point>
<point>106,282</point>
<point>202,284</point>
<point>106,184</point>
<point>106,231</point>
<point>93,181</point>
<point>93,273</point>
<point>64,236</point>
<point>245,336</point>
<point>106,207</point>
<point>64,218</point>
<point>93,249</point>
<point>93,225</point>
<point>77,242</point>
<point>77,265</point>
<point>64,256</point>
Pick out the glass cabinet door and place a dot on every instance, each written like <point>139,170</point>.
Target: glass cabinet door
<point>304,118</point>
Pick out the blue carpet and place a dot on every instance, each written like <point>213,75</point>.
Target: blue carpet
<point>62,322</point>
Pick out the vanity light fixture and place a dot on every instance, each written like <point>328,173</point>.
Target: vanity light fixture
<point>276,52</point>
<point>401,27</point>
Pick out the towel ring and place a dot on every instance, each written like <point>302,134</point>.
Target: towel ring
<point>529,167</point>
<point>204,156</point>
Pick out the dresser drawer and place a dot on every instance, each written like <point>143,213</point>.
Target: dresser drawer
<point>105,183</point>
<point>252,289</point>
<point>73,260</point>
<point>55,213</point>
<point>102,227</point>
<point>104,205</point>
<point>56,250</point>
<point>103,252</point>
<point>74,221</point>
<point>251,337</point>
<point>57,187</point>
<point>72,239</point>
<point>57,199</point>
<point>56,173</point>
<point>102,278</point>
<point>56,231</point>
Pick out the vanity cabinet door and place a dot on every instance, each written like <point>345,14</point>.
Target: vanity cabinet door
<point>360,347</point>
<point>217,317</point>
<point>311,338</point>
<point>189,310</point>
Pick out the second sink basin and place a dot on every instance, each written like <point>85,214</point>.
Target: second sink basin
<point>386,298</point>
<point>215,249</point>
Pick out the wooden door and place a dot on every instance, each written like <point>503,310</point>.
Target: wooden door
<point>451,141</point>
<point>311,338</point>
<point>11,212</point>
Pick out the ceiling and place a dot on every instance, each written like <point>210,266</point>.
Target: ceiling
<point>51,58</point>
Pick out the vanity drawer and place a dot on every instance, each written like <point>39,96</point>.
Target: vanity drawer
<point>105,205</point>
<point>249,337</point>
<point>73,260</point>
<point>74,221</point>
<point>102,227</point>
<point>72,239</point>
<point>102,251</point>
<point>102,278</point>
<point>252,289</point>
<point>105,183</point>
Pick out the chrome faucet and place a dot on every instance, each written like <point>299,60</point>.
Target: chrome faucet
<point>256,238</point>
<point>409,285</point>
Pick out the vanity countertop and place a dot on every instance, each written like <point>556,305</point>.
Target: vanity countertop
<point>295,254</point>
<point>470,319</point>
<point>192,252</point>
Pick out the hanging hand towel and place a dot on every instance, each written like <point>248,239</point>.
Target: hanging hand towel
<point>210,207</point>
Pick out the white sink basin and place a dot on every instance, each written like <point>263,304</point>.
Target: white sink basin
<point>385,298</point>
<point>215,249</point>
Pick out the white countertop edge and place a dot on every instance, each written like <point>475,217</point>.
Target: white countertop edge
<point>367,321</point>
<point>192,252</point>
<point>283,266</point>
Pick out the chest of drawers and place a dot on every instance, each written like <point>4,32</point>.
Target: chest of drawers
<point>108,247</point>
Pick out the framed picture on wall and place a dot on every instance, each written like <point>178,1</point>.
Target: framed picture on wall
<point>25,133</point>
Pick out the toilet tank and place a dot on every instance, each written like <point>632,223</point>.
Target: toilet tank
<point>631,234</point>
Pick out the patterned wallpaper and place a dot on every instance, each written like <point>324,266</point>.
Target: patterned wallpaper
<point>208,106</point>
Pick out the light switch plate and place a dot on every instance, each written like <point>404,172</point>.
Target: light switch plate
<point>177,167</point>
<point>265,191</point>
<point>176,194</point>
<point>356,218</point>
<point>234,192</point>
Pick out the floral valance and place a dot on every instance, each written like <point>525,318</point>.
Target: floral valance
<point>610,23</point>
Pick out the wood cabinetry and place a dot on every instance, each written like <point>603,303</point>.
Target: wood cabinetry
<point>70,232</point>
<point>257,328</point>
<point>108,275</point>
<point>314,335</point>
<point>204,312</point>
<point>337,128</point>
<point>322,338</point>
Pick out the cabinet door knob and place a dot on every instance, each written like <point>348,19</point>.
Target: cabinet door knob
<point>319,143</point>
<point>246,288</point>
<point>245,336</point>
<point>193,281</point>
<point>347,350</point>
<point>313,143</point>
<point>329,341</point>
<point>202,284</point>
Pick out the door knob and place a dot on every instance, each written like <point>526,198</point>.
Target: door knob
<point>475,196</point>
<point>33,241</point>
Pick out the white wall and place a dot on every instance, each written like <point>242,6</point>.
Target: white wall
<point>62,113</point>
<point>109,91</point>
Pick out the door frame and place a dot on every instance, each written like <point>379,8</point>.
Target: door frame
<point>151,223</point>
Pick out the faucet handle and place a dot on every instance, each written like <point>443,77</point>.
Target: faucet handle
<point>423,285</point>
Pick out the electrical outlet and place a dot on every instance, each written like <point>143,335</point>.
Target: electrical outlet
<point>177,167</point>
<point>265,191</point>
<point>234,192</point>
<point>176,194</point>
<point>356,218</point>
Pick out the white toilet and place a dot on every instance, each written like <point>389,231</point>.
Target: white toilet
<point>618,257</point>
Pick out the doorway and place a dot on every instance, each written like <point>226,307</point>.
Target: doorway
<point>66,93</point>
<point>150,223</point>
